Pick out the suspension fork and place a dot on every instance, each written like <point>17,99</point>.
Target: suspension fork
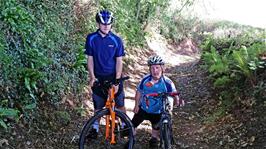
<point>111,107</point>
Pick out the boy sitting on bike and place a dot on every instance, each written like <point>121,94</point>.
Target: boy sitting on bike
<point>149,108</point>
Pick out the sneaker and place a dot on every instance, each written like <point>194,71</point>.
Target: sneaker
<point>126,145</point>
<point>153,142</point>
<point>92,134</point>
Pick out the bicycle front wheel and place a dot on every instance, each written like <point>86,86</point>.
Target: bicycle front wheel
<point>165,132</point>
<point>91,138</point>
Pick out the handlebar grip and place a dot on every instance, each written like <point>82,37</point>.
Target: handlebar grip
<point>173,93</point>
<point>117,81</point>
<point>152,94</point>
<point>124,78</point>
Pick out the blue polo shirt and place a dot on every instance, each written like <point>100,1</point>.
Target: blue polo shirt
<point>153,104</point>
<point>104,50</point>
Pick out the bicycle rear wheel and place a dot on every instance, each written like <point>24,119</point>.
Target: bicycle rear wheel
<point>165,136</point>
<point>124,135</point>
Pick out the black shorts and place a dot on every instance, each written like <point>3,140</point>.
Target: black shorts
<point>143,115</point>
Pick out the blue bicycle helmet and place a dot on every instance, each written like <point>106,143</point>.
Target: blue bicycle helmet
<point>104,17</point>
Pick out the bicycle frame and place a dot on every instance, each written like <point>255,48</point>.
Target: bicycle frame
<point>110,105</point>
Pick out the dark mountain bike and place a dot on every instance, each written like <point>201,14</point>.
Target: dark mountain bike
<point>111,134</point>
<point>166,136</point>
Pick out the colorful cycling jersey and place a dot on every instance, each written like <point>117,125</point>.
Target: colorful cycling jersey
<point>104,51</point>
<point>153,104</point>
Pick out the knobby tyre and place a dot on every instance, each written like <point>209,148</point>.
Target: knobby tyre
<point>166,136</point>
<point>123,135</point>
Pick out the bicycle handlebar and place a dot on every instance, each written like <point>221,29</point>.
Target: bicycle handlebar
<point>163,94</point>
<point>109,83</point>
<point>123,79</point>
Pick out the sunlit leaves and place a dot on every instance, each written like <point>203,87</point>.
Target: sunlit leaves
<point>17,17</point>
<point>236,68</point>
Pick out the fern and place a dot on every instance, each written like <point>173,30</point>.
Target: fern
<point>241,58</point>
<point>222,81</point>
<point>217,64</point>
<point>7,113</point>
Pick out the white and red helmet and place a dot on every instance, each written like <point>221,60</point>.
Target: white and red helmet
<point>155,60</point>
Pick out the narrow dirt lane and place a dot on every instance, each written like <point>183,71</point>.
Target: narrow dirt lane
<point>188,127</point>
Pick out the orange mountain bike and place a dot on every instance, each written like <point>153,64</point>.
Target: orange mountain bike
<point>111,133</point>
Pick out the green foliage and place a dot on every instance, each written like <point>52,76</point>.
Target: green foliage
<point>125,20</point>
<point>235,68</point>
<point>225,103</point>
<point>5,59</point>
<point>7,113</point>
<point>81,110</point>
<point>177,24</point>
<point>81,61</point>
<point>223,35</point>
<point>218,113</point>
<point>131,17</point>
<point>38,50</point>
<point>241,59</point>
<point>222,81</point>
<point>259,92</point>
<point>62,117</point>
<point>17,18</point>
<point>218,63</point>
<point>218,66</point>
